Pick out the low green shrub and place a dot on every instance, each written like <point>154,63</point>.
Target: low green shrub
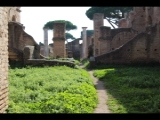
<point>57,89</point>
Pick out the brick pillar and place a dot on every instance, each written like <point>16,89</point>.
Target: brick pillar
<point>98,22</point>
<point>59,47</point>
<point>84,44</point>
<point>46,50</point>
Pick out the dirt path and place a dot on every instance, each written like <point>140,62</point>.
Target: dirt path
<point>102,95</point>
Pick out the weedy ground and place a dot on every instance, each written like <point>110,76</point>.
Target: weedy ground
<point>131,88</point>
<point>58,89</point>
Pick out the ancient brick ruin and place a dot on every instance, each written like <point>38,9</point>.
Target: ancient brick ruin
<point>7,14</point>
<point>98,22</point>
<point>46,49</point>
<point>13,41</point>
<point>59,47</point>
<point>74,48</point>
<point>18,39</point>
<point>3,59</point>
<point>135,41</point>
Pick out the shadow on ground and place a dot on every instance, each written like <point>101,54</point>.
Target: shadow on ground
<point>131,88</point>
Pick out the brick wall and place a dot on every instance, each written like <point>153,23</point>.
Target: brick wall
<point>3,59</point>
<point>138,43</point>
<point>143,48</point>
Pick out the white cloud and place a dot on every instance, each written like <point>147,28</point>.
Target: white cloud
<point>34,18</point>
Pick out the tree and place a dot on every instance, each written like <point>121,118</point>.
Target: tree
<point>69,25</point>
<point>69,36</point>
<point>111,14</point>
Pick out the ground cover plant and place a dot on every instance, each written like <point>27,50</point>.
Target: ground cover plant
<point>57,89</point>
<point>131,89</point>
<point>85,62</point>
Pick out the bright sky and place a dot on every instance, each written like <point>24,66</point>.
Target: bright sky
<point>34,18</point>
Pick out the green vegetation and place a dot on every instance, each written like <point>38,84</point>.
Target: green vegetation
<point>85,62</point>
<point>69,26</point>
<point>76,62</point>
<point>69,36</point>
<point>131,89</point>
<point>58,89</point>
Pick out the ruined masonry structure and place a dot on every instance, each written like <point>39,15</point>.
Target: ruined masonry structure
<point>13,41</point>
<point>59,47</point>
<point>6,14</point>
<point>84,44</point>
<point>46,49</point>
<point>98,22</point>
<point>104,40</point>
<point>137,40</point>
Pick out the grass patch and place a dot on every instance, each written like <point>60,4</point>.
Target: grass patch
<point>131,89</point>
<point>57,89</point>
<point>85,62</point>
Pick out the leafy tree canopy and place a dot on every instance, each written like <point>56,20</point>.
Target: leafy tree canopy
<point>69,36</point>
<point>111,14</point>
<point>69,25</point>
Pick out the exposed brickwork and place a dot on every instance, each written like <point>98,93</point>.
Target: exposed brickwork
<point>3,59</point>
<point>105,39</point>
<point>12,41</point>
<point>138,43</point>
<point>59,47</point>
<point>124,35</point>
<point>98,22</point>
<point>123,23</point>
<point>74,48</point>
<point>18,39</point>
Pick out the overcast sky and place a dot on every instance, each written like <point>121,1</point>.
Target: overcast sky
<point>34,18</point>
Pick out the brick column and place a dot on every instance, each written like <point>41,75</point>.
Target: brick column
<point>46,50</point>
<point>84,45</point>
<point>59,47</point>
<point>98,22</point>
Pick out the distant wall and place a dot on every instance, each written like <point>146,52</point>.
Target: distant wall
<point>143,48</point>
